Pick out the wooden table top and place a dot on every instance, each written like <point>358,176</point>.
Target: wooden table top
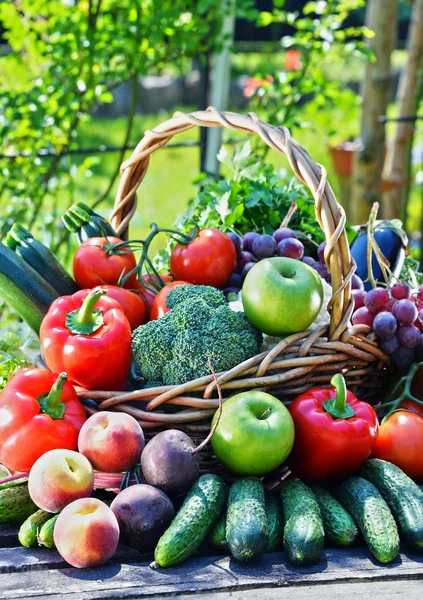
<point>42,573</point>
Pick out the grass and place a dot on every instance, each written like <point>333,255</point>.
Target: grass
<point>168,185</point>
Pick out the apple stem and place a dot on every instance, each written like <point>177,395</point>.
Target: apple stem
<point>266,412</point>
<point>219,391</point>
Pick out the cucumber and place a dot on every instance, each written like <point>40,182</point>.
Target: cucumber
<point>217,535</point>
<point>200,510</point>
<point>23,289</point>
<point>16,505</point>
<point>338,524</point>
<point>274,521</point>
<point>13,483</point>
<point>402,495</point>
<point>86,223</point>
<point>42,259</point>
<point>372,515</point>
<point>45,534</point>
<point>28,532</point>
<point>303,535</point>
<point>247,529</point>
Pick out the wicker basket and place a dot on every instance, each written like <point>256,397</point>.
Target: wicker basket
<point>313,358</point>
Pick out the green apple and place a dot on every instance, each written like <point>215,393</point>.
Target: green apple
<point>255,433</point>
<point>282,296</point>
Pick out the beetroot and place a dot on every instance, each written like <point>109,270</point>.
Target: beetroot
<point>170,463</point>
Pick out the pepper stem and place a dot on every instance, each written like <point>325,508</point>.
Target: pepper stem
<point>338,407</point>
<point>51,404</point>
<point>86,319</point>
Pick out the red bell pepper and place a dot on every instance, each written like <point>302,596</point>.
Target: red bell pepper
<point>88,336</point>
<point>334,433</point>
<point>39,411</point>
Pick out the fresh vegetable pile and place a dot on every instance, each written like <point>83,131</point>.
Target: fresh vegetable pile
<point>348,472</point>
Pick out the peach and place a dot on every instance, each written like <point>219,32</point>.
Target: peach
<point>86,533</point>
<point>111,441</point>
<point>58,478</point>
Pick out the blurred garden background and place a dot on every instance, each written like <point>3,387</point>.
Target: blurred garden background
<point>81,81</point>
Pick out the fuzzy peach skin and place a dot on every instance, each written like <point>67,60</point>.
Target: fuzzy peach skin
<point>86,533</point>
<point>58,478</point>
<point>111,441</point>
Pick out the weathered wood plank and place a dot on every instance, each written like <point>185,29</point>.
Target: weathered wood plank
<point>8,535</point>
<point>201,575</point>
<point>20,559</point>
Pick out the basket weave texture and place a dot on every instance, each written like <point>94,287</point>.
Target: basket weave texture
<point>301,360</point>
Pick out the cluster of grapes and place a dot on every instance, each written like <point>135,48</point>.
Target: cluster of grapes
<point>397,319</point>
<point>253,247</point>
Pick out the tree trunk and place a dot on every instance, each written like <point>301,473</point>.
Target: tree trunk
<point>395,167</point>
<point>381,18</point>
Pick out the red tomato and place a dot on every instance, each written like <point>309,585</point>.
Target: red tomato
<point>159,307</point>
<point>400,441</point>
<point>147,295</point>
<point>210,259</point>
<point>132,303</point>
<point>413,406</point>
<point>92,265</point>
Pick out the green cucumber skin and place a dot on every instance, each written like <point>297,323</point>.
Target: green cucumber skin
<point>303,535</point>
<point>42,260</point>
<point>372,515</point>
<point>16,505</point>
<point>338,524</point>
<point>45,534</point>
<point>247,529</point>
<point>275,522</point>
<point>217,535</point>
<point>402,495</point>
<point>200,510</point>
<point>28,531</point>
<point>24,289</point>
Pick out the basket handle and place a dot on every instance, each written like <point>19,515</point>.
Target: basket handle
<point>329,213</point>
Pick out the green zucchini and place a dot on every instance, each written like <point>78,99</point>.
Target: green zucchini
<point>28,531</point>
<point>42,259</point>
<point>372,515</point>
<point>274,521</point>
<point>200,510</point>
<point>45,534</point>
<point>247,529</point>
<point>338,524</point>
<point>217,535</point>
<point>16,505</point>
<point>402,495</point>
<point>303,535</point>
<point>86,223</point>
<point>23,289</point>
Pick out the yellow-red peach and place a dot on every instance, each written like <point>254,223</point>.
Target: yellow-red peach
<point>58,478</point>
<point>111,441</point>
<point>86,533</point>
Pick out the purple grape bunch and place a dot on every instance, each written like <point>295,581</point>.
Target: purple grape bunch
<point>396,316</point>
<point>253,247</point>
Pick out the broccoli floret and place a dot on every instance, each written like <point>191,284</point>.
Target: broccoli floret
<point>174,348</point>
<point>208,294</point>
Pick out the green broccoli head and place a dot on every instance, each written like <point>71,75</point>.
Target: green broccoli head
<point>208,294</point>
<point>175,348</point>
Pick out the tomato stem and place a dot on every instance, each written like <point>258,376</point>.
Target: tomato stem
<point>51,404</point>
<point>395,398</point>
